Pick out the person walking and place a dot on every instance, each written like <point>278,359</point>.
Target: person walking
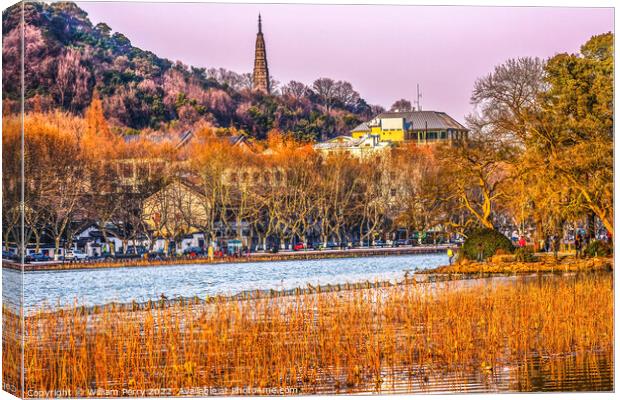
<point>578,246</point>
<point>450,255</point>
<point>210,252</point>
<point>480,252</point>
<point>522,241</point>
<point>556,245</point>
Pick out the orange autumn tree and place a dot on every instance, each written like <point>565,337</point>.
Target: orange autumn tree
<point>98,141</point>
<point>288,192</point>
<point>216,165</point>
<point>57,185</point>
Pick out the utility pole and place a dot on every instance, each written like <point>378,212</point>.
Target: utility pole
<point>417,103</point>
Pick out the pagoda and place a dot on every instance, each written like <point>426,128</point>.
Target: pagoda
<point>260,77</point>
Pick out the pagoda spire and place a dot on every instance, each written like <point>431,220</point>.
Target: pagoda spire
<point>260,77</point>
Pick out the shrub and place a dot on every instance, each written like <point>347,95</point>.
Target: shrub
<point>598,248</point>
<point>487,240</point>
<point>525,254</point>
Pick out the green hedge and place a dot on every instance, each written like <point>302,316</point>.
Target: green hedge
<point>491,241</point>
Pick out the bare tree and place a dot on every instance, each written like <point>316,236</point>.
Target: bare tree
<point>402,105</point>
<point>295,90</point>
<point>325,89</point>
<point>71,83</point>
<point>504,99</point>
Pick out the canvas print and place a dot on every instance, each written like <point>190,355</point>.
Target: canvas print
<point>219,199</point>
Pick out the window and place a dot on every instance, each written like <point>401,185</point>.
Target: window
<point>143,170</point>
<point>126,170</point>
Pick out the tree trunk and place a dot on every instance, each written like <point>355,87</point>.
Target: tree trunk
<point>56,247</point>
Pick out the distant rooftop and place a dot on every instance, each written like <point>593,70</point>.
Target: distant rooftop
<point>363,127</point>
<point>421,120</point>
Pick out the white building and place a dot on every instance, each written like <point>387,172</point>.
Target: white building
<point>357,147</point>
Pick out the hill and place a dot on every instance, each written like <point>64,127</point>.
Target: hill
<point>67,59</point>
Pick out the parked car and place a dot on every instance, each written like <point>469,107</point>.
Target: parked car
<point>126,256</point>
<point>332,245</point>
<point>194,251</point>
<point>299,246</point>
<point>76,255</point>
<point>156,255</point>
<point>317,246</point>
<point>7,255</point>
<point>402,242</point>
<point>360,243</point>
<point>40,257</point>
<point>380,243</point>
<point>136,250</point>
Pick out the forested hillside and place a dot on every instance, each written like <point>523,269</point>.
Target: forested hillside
<point>67,59</point>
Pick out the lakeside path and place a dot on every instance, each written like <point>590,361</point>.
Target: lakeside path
<point>545,263</point>
<point>253,257</point>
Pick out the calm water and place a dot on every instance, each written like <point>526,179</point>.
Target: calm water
<point>100,286</point>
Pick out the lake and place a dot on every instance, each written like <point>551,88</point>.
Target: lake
<point>91,287</point>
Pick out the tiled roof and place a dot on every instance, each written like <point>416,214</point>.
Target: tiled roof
<point>420,120</point>
<point>185,138</point>
<point>339,141</point>
<point>363,127</point>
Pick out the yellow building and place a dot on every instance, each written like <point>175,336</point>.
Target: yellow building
<point>420,126</point>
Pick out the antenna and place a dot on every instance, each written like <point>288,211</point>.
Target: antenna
<point>418,98</point>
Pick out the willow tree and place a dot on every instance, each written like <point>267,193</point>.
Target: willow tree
<point>573,128</point>
<point>475,174</point>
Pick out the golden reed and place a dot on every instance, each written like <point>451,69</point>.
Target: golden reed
<point>339,341</point>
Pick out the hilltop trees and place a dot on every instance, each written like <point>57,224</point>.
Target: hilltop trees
<point>67,59</point>
<point>402,105</point>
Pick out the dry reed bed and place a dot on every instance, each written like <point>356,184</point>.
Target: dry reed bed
<point>324,343</point>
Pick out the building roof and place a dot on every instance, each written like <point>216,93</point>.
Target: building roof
<point>186,137</point>
<point>363,127</point>
<point>236,140</point>
<point>348,142</point>
<point>339,141</point>
<point>421,120</point>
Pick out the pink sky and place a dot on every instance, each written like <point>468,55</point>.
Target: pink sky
<point>382,50</point>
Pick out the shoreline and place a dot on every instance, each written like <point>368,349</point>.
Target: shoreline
<point>256,257</point>
<point>422,278</point>
<point>545,263</point>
